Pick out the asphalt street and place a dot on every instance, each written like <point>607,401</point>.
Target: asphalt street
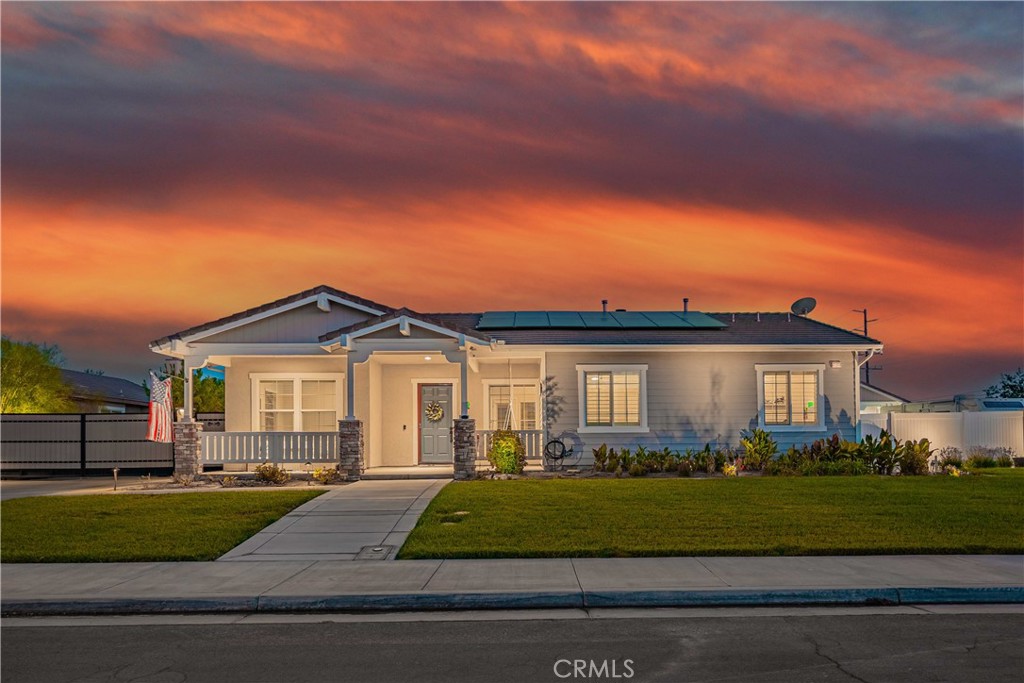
<point>895,644</point>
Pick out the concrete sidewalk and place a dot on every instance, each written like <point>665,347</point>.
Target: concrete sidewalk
<point>365,520</point>
<point>302,586</point>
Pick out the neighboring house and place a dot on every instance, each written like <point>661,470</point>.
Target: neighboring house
<point>660,378</point>
<point>964,403</point>
<point>875,400</point>
<point>102,394</point>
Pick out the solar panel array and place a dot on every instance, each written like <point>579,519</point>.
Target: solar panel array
<point>597,320</point>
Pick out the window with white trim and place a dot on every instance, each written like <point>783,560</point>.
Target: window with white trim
<point>613,398</point>
<point>300,403</point>
<point>521,399</point>
<point>790,396</point>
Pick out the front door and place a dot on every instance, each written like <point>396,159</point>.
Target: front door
<point>435,423</point>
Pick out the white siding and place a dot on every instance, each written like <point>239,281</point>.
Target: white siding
<point>698,397</point>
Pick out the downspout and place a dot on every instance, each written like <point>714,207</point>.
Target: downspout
<point>856,387</point>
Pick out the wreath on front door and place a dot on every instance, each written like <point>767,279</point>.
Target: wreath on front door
<point>434,411</point>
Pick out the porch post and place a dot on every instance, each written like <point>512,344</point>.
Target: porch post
<point>188,367</point>
<point>350,386</point>
<point>462,358</point>
<point>464,387</point>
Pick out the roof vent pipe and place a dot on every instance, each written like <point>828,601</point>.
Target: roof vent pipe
<point>604,305</point>
<point>686,304</point>
<point>758,316</point>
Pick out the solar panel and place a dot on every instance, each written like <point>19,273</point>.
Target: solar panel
<point>633,320</point>
<point>568,319</point>
<point>496,320</point>
<point>702,320</point>
<point>532,319</point>
<point>598,320</point>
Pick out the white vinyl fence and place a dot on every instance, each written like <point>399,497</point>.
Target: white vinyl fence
<point>959,430</point>
<point>80,442</point>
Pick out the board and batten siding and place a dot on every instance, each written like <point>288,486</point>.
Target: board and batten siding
<point>694,398</point>
<point>303,324</point>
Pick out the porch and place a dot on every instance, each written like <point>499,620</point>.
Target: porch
<point>304,451</point>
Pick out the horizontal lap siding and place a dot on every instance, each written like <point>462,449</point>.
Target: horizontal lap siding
<point>694,397</point>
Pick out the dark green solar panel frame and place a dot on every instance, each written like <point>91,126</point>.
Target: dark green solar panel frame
<point>597,320</point>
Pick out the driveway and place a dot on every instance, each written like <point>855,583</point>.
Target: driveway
<point>72,486</point>
<point>367,520</point>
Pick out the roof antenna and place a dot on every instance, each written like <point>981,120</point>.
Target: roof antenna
<point>604,306</point>
<point>686,305</point>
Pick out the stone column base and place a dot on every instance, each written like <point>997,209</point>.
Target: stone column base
<point>464,436</point>
<point>188,448</point>
<point>350,449</point>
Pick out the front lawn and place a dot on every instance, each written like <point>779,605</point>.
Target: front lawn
<point>137,528</point>
<point>743,516</point>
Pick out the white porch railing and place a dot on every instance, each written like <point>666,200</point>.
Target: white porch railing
<point>295,447</point>
<point>533,440</point>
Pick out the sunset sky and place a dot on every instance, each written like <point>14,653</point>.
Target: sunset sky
<point>167,164</point>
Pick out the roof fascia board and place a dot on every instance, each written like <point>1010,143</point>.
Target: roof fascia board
<point>409,321</point>
<point>314,298</point>
<point>688,347</point>
<point>254,349</point>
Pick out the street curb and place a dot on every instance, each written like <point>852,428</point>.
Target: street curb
<point>725,597</point>
<point>404,602</point>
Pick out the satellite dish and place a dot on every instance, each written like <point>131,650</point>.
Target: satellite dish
<point>803,306</point>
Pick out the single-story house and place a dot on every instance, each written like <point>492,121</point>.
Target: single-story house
<point>95,393</point>
<point>874,400</point>
<point>679,378</point>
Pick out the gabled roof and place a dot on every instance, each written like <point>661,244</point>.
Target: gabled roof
<point>280,303</point>
<point>90,387</point>
<point>380,321</point>
<point>739,329</point>
<point>869,392</point>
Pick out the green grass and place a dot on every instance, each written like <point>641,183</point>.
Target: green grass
<point>744,516</point>
<point>137,528</point>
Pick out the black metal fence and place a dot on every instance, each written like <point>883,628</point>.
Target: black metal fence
<point>80,442</point>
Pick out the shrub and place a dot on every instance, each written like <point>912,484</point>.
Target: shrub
<point>880,454</point>
<point>729,470</point>
<point>637,470</point>
<point>227,481</point>
<point>613,461</point>
<point>507,453</point>
<point>704,460</point>
<point>626,459</point>
<point>981,461</point>
<point>600,457</point>
<point>913,457</point>
<point>618,471</point>
<point>758,448</point>
<point>271,473</point>
<point>684,468</point>
<point>327,475</point>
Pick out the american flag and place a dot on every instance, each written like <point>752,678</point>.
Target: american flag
<point>161,410</point>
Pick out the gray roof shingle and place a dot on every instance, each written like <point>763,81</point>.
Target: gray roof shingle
<point>85,385</point>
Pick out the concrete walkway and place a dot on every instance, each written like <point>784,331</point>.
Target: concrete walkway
<point>311,586</point>
<point>367,520</point>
